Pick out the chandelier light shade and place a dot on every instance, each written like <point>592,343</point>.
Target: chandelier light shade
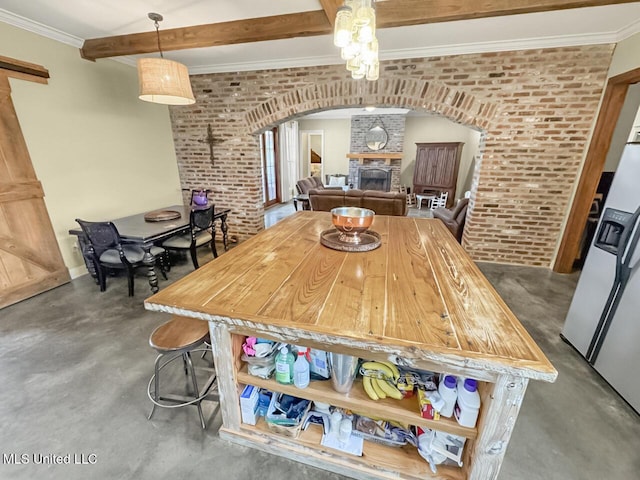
<point>161,80</point>
<point>355,34</point>
<point>164,81</point>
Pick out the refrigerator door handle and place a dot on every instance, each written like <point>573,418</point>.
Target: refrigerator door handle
<point>626,248</point>
<point>603,323</point>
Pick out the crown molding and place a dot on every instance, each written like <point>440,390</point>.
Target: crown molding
<point>40,29</point>
<point>501,46</point>
<point>266,64</point>
<point>628,31</point>
<point>426,52</point>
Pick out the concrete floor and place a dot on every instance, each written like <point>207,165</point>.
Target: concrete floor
<point>76,362</point>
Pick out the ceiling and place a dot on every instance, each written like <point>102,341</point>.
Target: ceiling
<point>74,21</point>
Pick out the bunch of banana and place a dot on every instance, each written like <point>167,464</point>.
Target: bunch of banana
<point>379,378</point>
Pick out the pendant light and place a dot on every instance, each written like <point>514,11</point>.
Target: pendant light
<point>161,80</point>
<point>355,34</point>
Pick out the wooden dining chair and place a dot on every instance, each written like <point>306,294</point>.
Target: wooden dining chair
<point>201,232</point>
<point>106,251</point>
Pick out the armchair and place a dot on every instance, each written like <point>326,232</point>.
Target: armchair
<point>454,219</point>
<point>106,251</point>
<point>308,183</point>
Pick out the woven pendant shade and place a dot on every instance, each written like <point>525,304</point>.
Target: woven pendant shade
<point>164,81</point>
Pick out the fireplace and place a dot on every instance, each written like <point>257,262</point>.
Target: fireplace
<point>374,179</point>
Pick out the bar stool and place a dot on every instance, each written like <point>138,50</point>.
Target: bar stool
<point>175,339</point>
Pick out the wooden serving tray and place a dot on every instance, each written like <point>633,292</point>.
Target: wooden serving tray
<point>161,215</point>
<point>369,240</point>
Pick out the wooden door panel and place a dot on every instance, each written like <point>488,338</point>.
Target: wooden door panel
<point>422,172</point>
<point>16,162</point>
<point>30,259</point>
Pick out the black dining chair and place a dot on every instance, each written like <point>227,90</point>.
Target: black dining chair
<point>201,232</point>
<point>106,251</point>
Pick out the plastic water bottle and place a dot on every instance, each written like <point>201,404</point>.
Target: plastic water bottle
<point>468,404</point>
<point>301,369</point>
<point>284,366</point>
<point>449,393</point>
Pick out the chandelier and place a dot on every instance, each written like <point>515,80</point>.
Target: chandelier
<point>355,34</point>
<point>161,80</point>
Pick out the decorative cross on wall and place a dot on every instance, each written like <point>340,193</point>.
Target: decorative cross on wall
<point>210,140</point>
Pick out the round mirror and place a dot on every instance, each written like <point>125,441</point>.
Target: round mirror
<point>376,138</point>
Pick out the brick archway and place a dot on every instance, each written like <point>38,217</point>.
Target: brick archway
<point>420,95</point>
<point>536,110</point>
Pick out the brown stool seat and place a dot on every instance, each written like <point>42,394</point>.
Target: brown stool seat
<point>179,333</point>
<point>175,339</point>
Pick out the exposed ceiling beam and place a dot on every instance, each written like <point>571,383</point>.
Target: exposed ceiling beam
<point>417,12</point>
<point>18,66</point>
<point>330,8</point>
<point>277,27</point>
<point>389,14</point>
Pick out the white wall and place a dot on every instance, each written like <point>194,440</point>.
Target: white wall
<point>624,128</point>
<point>426,129</point>
<point>337,135</point>
<point>99,152</point>
<point>636,127</point>
<point>625,56</point>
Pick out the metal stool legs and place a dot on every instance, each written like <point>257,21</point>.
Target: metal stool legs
<point>180,401</point>
<point>196,392</point>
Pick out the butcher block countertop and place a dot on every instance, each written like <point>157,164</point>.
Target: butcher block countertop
<point>418,299</point>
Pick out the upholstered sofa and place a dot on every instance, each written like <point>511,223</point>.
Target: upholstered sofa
<point>383,203</point>
<point>305,184</point>
<point>454,219</point>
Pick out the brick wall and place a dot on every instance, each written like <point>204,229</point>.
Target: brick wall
<point>360,126</point>
<point>392,124</point>
<point>534,107</point>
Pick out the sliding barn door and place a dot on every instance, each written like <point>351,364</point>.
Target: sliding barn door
<point>30,260</point>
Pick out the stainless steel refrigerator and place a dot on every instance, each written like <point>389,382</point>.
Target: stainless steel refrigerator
<point>603,322</point>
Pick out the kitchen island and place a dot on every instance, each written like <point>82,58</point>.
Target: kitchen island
<point>418,300</point>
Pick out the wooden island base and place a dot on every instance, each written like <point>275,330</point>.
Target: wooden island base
<point>377,461</point>
<point>418,301</point>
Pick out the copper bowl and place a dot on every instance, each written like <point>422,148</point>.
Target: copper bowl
<point>351,222</point>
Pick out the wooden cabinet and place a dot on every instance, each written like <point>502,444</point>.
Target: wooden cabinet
<point>436,168</point>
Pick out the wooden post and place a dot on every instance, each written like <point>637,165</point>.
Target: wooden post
<point>223,357</point>
<point>500,407</point>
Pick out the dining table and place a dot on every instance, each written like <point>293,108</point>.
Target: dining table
<point>148,228</point>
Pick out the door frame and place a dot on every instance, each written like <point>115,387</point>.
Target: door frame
<point>612,102</point>
<point>305,156</point>
<point>276,156</point>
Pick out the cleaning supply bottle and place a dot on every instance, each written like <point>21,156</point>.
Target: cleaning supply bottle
<point>468,404</point>
<point>284,366</point>
<point>448,391</point>
<point>301,373</point>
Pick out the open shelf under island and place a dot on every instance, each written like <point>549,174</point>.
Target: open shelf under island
<point>418,300</point>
